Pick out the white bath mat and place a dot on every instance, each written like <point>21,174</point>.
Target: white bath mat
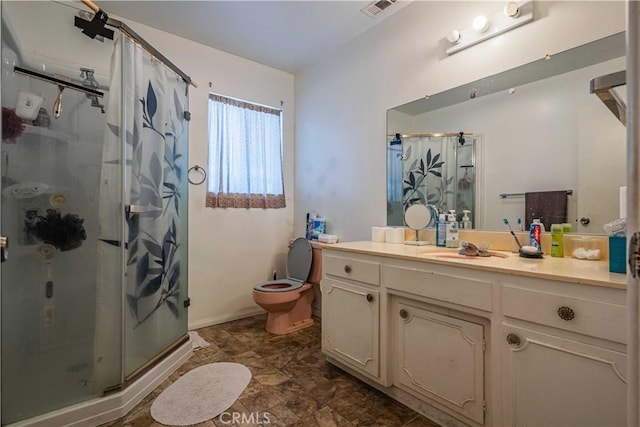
<point>201,394</point>
<point>197,341</point>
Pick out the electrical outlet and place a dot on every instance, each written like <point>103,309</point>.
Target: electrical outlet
<point>48,316</point>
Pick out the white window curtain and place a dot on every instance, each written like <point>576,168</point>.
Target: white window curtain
<point>245,155</point>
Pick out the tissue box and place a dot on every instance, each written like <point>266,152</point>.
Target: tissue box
<point>328,238</point>
<point>617,254</point>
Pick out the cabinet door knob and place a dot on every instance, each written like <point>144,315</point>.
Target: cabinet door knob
<point>566,313</point>
<point>513,339</point>
<point>404,313</point>
<point>369,297</point>
<point>347,269</point>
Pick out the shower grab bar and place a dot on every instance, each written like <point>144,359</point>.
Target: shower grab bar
<point>505,195</point>
<point>55,81</point>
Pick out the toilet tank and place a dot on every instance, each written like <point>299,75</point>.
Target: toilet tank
<point>315,274</point>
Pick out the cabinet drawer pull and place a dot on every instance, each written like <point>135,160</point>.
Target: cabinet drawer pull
<point>404,313</point>
<point>513,339</point>
<point>369,297</point>
<point>347,269</point>
<point>566,313</point>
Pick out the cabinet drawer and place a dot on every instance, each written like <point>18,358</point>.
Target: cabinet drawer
<point>594,318</point>
<point>444,287</point>
<point>352,268</point>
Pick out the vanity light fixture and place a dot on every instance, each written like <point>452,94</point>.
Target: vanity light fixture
<point>513,15</point>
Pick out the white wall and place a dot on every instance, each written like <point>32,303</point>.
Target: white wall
<point>230,250</point>
<point>342,100</point>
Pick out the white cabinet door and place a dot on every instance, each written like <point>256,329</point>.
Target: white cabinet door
<point>552,381</point>
<point>350,325</point>
<point>440,357</point>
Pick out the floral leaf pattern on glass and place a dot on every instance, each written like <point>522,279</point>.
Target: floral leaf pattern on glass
<point>415,184</point>
<point>156,182</point>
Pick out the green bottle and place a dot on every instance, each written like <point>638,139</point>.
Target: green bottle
<point>557,248</point>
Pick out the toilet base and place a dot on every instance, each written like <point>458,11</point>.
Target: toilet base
<point>295,327</point>
<point>296,315</point>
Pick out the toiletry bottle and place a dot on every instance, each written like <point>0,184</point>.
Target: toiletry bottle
<point>308,227</point>
<point>466,221</point>
<point>557,249</point>
<point>441,231</point>
<point>535,234</point>
<point>452,230</point>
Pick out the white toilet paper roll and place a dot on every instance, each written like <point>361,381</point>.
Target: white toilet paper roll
<point>394,235</point>
<point>623,202</point>
<point>378,234</point>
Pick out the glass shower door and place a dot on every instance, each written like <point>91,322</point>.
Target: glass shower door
<point>156,208</point>
<point>50,182</point>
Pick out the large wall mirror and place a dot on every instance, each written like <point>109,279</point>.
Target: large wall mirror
<point>484,145</point>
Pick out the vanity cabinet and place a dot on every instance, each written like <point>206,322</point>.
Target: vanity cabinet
<point>567,364</point>
<point>552,380</point>
<point>351,313</point>
<point>439,357</point>
<point>526,344</point>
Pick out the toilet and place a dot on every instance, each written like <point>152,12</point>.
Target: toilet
<point>288,301</point>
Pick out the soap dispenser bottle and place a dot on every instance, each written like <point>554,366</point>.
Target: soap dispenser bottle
<point>466,221</point>
<point>452,230</point>
<point>441,231</point>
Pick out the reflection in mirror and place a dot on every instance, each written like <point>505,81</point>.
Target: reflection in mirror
<point>435,169</point>
<point>536,128</point>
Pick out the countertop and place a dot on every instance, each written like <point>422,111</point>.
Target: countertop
<point>566,269</point>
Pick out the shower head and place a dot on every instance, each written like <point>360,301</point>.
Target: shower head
<point>89,80</point>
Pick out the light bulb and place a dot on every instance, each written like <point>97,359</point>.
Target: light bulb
<point>511,9</point>
<point>454,36</point>
<point>480,23</point>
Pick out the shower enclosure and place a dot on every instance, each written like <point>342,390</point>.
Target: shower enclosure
<point>431,168</point>
<point>94,207</point>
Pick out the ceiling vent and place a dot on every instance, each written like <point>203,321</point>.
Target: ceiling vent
<point>374,8</point>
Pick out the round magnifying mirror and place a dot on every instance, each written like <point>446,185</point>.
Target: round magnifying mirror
<point>417,217</point>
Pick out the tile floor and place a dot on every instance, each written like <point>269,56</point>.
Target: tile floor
<point>291,381</point>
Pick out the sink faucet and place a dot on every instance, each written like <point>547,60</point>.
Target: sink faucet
<point>90,81</point>
<point>469,249</point>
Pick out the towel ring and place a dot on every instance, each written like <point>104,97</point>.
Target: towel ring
<point>197,169</point>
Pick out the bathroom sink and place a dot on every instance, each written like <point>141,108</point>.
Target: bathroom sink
<point>453,254</point>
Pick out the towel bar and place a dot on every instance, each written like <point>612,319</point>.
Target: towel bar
<point>505,195</point>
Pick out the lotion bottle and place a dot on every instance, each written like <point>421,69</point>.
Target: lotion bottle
<point>441,231</point>
<point>452,230</point>
<point>466,221</point>
<point>557,248</point>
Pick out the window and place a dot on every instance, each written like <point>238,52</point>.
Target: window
<point>245,155</point>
